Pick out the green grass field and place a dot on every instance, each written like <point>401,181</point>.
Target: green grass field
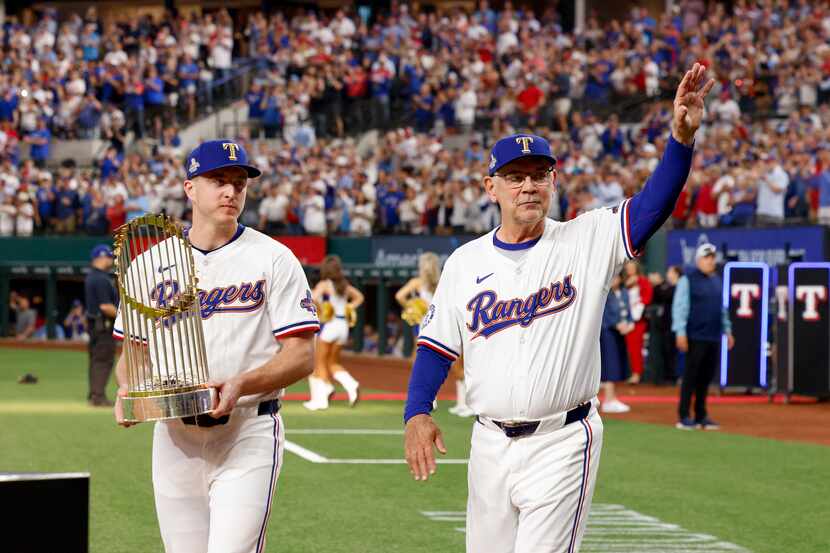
<point>690,491</point>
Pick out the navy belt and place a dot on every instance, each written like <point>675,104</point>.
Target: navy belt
<point>205,421</point>
<point>339,316</point>
<point>525,428</point>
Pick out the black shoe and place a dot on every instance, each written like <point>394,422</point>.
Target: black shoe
<point>686,424</point>
<point>101,402</point>
<point>27,378</point>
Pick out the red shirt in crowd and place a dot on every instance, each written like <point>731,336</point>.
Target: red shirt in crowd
<point>706,203</point>
<point>117,214</point>
<point>530,98</point>
<point>681,208</point>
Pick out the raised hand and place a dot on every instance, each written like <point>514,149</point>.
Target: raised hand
<point>688,104</point>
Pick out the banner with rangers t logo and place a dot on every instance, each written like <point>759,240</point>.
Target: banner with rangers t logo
<point>746,295</point>
<point>809,329</point>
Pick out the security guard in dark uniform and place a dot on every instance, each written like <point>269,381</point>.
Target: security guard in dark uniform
<point>101,301</point>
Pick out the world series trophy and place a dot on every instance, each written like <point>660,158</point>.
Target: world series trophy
<point>164,344</point>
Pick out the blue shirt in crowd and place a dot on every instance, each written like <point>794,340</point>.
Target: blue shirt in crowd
<point>40,151</point>
<point>66,202</point>
<point>154,91</point>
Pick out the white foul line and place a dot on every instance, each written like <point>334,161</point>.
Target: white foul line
<point>314,457</point>
<point>306,454</point>
<point>346,431</point>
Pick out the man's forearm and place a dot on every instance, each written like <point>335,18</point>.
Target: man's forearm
<point>293,363</point>
<point>121,370</point>
<point>109,310</point>
<point>650,207</point>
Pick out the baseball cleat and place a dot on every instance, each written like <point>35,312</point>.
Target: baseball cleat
<point>685,424</point>
<point>708,424</point>
<point>615,406</point>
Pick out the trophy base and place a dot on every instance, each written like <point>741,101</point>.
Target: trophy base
<point>168,406</point>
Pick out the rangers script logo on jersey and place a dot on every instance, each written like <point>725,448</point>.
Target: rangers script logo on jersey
<point>493,315</point>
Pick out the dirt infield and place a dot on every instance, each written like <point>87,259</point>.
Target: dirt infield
<point>802,420</point>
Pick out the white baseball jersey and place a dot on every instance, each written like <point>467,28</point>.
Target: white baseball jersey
<point>252,292</point>
<point>529,329</point>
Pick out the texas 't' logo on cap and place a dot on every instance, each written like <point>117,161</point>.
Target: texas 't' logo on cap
<point>524,141</point>
<point>217,154</point>
<point>515,146</point>
<point>232,148</point>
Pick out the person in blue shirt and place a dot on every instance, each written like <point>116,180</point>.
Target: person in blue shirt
<point>89,116</point>
<point>112,85</point>
<point>613,139</point>
<point>134,103</point>
<point>698,321</point>
<point>821,181</point>
<point>90,43</point>
<point>424,104</point>
<point>96,222</point>
<point>389,200</point>
<point>475,153</point>
<point>255,109</point>
<point>271,115</point>
<point>67,207</point>
<point>154,97</point>
<point>39,140</point>
<point>597,88</point>
<point>138,203</point>
<point>74,324</point>
<point>382,74</point>
<point>446,107</point>
<point>101,299</point>
<point>188,83</point>
<point>8,104</point>
<point>110,164</point>
<point>45,199</point>
<point>487,16</point>
<point>796,207</point>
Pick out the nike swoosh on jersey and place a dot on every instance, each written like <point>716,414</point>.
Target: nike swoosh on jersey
<point>479,280</point>
<point>162,269</point>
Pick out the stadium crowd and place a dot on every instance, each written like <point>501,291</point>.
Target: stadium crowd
<point>85,77</point>
<point>419,78</point>
<point>410,183</point>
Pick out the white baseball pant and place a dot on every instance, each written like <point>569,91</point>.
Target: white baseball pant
<point>214,486</point>
<point>532,494</point>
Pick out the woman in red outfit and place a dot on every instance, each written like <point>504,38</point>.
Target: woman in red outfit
<point>639,296</point>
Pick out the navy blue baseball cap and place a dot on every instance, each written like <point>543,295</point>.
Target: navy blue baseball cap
<point>101,250</point>
<point>515,146</point>
<point>216,154</point>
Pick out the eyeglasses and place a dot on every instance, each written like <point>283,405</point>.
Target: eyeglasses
<point>517,180</point>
